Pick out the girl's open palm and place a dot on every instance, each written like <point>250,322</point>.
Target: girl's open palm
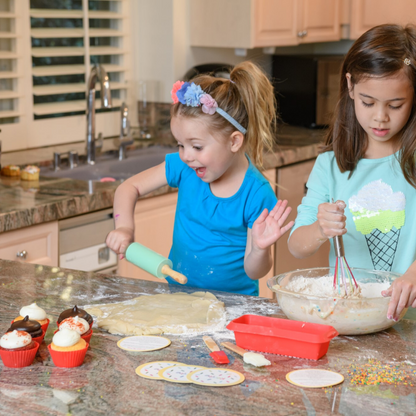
<point>269,226</point>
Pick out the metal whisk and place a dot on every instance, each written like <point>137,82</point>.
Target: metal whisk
<point>343,274</point>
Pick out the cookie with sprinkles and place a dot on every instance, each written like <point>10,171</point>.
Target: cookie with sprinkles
<point>151,370</point>
<point>178,373</point>
<point>216,377</point>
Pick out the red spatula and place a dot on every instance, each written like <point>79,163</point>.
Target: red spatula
<point>220,357</point>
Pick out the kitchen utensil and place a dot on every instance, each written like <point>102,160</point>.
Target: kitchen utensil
<point>343,271</point>
<point>152,262</point>
<point>217,355</point>
<point>349,316</point>
<point>249,357</point>
<point>282,336</point>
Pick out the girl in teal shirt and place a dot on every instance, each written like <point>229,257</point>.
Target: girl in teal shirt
<point>368,165</point>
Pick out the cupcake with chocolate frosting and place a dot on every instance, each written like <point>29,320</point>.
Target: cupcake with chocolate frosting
<point>35,313</point>
<point>33,328</point>
<point>73,312</point>
<point>67,349</point>
<point>17,349</point>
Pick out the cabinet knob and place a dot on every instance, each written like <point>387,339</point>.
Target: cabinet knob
<point>21,254</point>
<point>302,34</point>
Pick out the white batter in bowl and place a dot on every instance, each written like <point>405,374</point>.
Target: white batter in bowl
<point>306,295</point>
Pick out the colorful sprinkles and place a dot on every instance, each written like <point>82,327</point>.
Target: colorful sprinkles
<point>374,372</point>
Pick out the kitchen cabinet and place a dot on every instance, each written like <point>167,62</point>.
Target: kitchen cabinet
<point>292,186</point>
<point>264,291</point>
<point>36,244</point>
<point>263,23</point>
<point>366,14</point>
<point>153,219</point>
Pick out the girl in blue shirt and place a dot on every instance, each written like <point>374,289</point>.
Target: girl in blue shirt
<point>368,165</point>
<point>227,217</point>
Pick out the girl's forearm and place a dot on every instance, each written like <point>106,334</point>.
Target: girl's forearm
<point>125,200</point>
<point>305,240</point>
<point>258,263</point>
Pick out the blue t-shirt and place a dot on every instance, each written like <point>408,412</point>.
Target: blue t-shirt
<point>381,206</point>
<point>210,233</point>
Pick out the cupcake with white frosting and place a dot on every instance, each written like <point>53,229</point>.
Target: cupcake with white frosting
<point>79,325</point>
<point>67,349</point>
<point>35,313</point>
<point>17,349</point>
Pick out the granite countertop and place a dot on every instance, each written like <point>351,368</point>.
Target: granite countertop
<point>26,203</point>
<point>106,383</point>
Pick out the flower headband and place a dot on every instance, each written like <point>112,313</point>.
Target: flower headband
<point>192,95</point>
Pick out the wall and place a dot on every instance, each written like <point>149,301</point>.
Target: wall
<point>161,48</point>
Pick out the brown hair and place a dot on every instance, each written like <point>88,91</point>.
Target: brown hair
<point>379,52</point>
<point>247,97</point>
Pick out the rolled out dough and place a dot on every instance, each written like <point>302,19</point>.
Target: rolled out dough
<point>172,313</point>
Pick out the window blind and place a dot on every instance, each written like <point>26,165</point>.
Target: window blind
<point>47,50</point>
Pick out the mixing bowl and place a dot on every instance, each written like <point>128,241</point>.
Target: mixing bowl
<point>348,316</point>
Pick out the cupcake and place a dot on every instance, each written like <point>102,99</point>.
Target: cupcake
<point>10,170</point>
<point>67,349</point>
<point>79,325</point>
<point>75,311</point>
<point>35,314</point>
<point>33,328</point>
<point>17,349</point>
<point>30,173</point>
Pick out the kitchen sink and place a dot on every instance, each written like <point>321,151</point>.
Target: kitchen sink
<point>108,166</point>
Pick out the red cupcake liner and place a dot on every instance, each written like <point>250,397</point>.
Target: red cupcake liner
<point>39,339</point>
<point>19,359</point>
<point>45,326</point>
<point>68,359</point>
<point>86,337</point>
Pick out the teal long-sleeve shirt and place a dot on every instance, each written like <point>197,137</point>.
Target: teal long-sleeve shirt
<point>381,211</point>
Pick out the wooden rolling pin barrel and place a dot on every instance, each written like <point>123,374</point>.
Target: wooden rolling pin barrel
<point>153,263</point>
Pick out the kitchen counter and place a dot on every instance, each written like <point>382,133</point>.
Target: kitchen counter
<point>26,203</point>
<point>106,383</point>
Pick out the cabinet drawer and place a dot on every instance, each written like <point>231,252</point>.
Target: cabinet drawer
<point>40,242</point>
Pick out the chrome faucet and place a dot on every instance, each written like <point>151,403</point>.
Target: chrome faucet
<point>97,73</point>
<point>125,138</point>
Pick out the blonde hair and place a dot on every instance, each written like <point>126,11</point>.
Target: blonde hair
<point>248,97</point>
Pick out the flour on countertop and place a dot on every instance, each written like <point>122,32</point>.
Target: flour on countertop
<point>323,287</point>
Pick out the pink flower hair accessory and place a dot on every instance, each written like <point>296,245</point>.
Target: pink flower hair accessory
<point>209,105</point>
<point>176,87</point>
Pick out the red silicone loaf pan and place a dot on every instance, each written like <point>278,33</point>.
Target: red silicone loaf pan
<point>282,336</point>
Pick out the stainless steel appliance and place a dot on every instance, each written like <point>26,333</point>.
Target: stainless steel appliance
<point>306,88</point>
<point>82,242</point>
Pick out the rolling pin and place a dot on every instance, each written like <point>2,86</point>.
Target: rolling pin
<point>152,262</point>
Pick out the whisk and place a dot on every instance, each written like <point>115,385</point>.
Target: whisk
<point>343,275</point>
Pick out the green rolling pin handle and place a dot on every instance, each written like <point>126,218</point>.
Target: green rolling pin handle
<point>179,277</point>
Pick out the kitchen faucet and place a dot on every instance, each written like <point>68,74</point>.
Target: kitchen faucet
<point>97,72</point>
<point>125,138</point>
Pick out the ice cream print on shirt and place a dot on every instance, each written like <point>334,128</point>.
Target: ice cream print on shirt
<point>379,214</point>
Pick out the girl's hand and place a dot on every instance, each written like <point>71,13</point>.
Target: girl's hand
<point>269,226</point>
<point>331,219</point>
<point>403,294</point>
<point>118,240</point>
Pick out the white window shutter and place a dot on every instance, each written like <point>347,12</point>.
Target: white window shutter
<point>56,50</point>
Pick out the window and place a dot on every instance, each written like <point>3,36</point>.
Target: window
<point>47,49</point>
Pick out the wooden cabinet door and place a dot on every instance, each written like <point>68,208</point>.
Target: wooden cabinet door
<point>320,21</point>
<point>275,22</point>
<point>292,186</point>
<point>264,291</point>
<point>36,244</point>
<point>154,219</point>
<point>366,14</point>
